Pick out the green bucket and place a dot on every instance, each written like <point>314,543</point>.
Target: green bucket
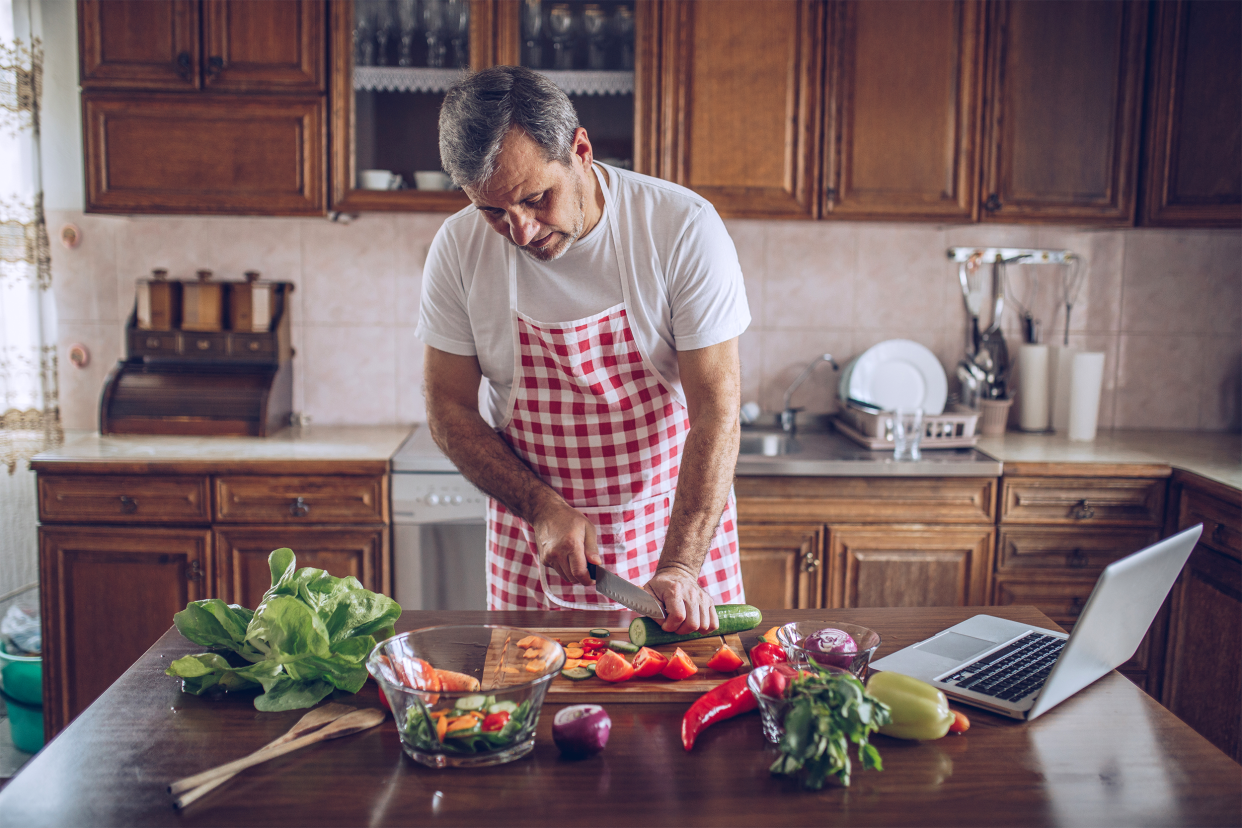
<point>21,687</point>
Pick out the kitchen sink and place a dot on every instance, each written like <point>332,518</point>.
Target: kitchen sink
<point>769,444</point>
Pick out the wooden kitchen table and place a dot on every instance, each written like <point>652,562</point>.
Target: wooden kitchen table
<point>1109,756</point>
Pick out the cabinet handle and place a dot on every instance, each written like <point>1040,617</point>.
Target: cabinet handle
<point>809,561</point>
<point>128,504</point>
<point>1076,604</point>
<point>195,572</point>
<point>214,65</point>
<point>184,68</point>
<point>830,193</point>
<point>1218,534</point>
<point>993,203</point>
<point>299,508</point>
<point>1082,510</point>
<point>1076,560</point>
<point>203,344</point>
<point>153,342</point>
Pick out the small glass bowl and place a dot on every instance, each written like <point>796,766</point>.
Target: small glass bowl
<point>771,707</point>
<point>489,655</point>
<point>791,636</point>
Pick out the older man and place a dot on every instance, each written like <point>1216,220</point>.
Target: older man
<point>603,307</point>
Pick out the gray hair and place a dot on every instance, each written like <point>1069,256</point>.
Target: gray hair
<point>480,109</point>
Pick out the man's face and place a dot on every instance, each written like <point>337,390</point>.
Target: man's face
<point>537,205</point>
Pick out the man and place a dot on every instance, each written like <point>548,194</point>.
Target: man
<point>604,308</point>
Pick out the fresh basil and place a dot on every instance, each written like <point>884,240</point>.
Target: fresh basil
<point>311,634</point>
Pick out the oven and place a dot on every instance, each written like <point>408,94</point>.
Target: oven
<point>439,535</point>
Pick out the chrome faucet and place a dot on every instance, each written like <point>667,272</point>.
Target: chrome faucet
<point>789,415</point>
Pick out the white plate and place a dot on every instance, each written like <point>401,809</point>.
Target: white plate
<point>899,373</point>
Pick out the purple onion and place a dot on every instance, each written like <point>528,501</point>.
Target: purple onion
<point>831,647</point>
<point>581,730</point>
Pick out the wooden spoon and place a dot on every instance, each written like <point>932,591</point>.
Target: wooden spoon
<point>354,722</point>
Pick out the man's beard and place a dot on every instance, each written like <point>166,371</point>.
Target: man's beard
<point>552,252</point>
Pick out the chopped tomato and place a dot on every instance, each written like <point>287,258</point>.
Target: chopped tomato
<point>679,666</point>
<point>724,660</point>
<point>613,667</point>
<point>647,663</point>
<point>593,644</point>
<point>496,721</point>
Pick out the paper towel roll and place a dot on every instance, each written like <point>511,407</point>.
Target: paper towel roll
<point>1060,371</point>
<point>1085,385</point>
<point>1033,387</point>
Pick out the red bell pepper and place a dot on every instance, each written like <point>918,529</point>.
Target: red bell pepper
<point>722,702</point>
<point>496,721</point>
<point>765,653</point>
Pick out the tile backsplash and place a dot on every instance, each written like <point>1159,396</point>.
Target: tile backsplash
<point>1165,306</point>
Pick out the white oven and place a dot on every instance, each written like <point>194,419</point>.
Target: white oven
<point>439,536</point>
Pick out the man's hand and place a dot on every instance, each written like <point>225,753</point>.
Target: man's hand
<point>689,609</point>
<point>566,542</point>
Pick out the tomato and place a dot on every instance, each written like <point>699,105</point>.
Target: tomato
<point>961,724</point>
<point>765,653</point>
<point>724,660</point>
<point>647,663</point>
<point>774,684</point>
<point>496,721</point>
<point>679,666</point>
<point>613,667</point>
<point>593,644</point>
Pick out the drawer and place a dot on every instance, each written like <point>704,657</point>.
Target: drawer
<point>301,499</point>
<point>109,498</point>
<point>865,499</point>
<point>1222,522</point>
<point>1082,501</point>
<point>154,343</point>
<point>1062,600</point>
<point>1071,549</point>
<point>260,346</point>
<point>204,345</point>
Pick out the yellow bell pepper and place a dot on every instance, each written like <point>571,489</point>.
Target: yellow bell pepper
<point>919,710</point>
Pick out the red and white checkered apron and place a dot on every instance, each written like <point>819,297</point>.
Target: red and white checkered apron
<point>591,417</point>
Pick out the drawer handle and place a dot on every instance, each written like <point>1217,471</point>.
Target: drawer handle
<point>183,65</point>
<point>1076,560</point>
<point>1082,510</point>
<point>195,572</point>
<point>299,508</point>
<point>254,346</point>
<point>202,344</point>
<point>153,342</point>
<point>809,561</point>
<point>128,504</point>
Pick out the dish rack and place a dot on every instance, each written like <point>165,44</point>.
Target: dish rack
<point>953,429</point>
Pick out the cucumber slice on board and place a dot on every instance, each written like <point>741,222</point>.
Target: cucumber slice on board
<point>623,647</point>
<point>577,673</point>
<point>599,632</point>
<point>734,618</point>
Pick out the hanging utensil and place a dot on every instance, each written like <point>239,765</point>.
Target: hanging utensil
<point>992,355</point>
<point>1071,284</point>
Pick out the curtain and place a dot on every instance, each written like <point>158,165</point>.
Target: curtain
<point>29,406</point>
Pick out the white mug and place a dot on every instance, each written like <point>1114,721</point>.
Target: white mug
<point>379,180</point>
<point>431,180</point>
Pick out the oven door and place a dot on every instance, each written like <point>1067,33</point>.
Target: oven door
<point>439,545</point>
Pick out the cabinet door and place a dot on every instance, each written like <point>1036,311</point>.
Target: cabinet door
<point>204,154</point>
<point>908,566</point>
<point>1203,666</point>
<point>264,45</point>
<point>741,101</point>
<point>1194,145</point>
<point>109,593</point>
<point>782,565</point>
<point>242,551</point>
<point>1063,104</point>
<point>138,44</point>
<point>904,86</point>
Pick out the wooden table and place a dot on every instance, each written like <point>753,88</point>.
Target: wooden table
<point>1109,756</point>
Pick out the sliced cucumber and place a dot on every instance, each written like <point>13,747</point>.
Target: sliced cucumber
<point>622,646</point>
<point>471,702</point>
<point>591,665</point>
<point>734,618</point>
<point>503,707</point>
<point>577,673</point>
<point>599,632</point>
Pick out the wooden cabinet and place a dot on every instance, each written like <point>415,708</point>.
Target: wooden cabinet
<point>904,85</point>
<point>897,565</point>
<point>1203,668</point>
<point>782,564</point>
<point>124,546</point>
<point>1194,145</point>
<point>1062,114</point>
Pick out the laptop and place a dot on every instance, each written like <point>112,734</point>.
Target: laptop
<point>1021,671</point>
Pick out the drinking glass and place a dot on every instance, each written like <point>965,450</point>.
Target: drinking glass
<point>561,22</point>
<point>364,42</point>
<point>384,25</point>
<point>595,25</point>
<point>407,16</point>
<point>434,26</point>
<point>457,14</point>
<point>532,29</point>
<point>907,432</point>
<point>623,31</point>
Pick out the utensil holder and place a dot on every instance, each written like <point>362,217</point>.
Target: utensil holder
<point>994,415</point>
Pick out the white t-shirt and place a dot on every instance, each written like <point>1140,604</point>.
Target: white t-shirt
<point>686,284</point>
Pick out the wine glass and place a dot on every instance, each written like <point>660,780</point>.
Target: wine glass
<point>595,24</point>
<point>364,45</point>
<point>407,16</point>
<point>457,14</point>
<point>384,25</point>
<point>532,28</point>
<point>561,22</point>
<point>434,26</point>
<point>623,29</point>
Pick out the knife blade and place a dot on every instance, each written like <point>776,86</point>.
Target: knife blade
<point>626,594</point>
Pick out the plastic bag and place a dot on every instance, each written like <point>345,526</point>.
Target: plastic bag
<point>21,626</point>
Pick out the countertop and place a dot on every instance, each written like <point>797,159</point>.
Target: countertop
<point>1111,755</point>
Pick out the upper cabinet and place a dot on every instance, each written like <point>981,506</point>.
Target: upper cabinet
<point>1194,133</point>
<point>1062,114</point>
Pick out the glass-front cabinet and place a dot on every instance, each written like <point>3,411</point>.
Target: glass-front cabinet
<point>393,60</point>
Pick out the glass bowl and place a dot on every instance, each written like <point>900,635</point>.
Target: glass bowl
<point>772,706</point>
<point>792,635</point>
<point>466,695</point>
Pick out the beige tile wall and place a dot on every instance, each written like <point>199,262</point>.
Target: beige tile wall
<point>1165,306</point>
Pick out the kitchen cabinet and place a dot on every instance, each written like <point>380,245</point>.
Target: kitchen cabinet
<point>1062,111</point>
<point>902,565</point>
<point>1193,174</point>
<point>1203,668</point>
<point>782,564</point>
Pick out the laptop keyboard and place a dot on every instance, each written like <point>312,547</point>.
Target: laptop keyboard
<point>1014,672</point>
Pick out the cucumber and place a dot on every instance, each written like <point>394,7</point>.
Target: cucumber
<point>503,706</point>
<point>623,647</point>
<point>599,633</point>
<point>471,703</point>
<point>577,673</point>
<point>734,618</point>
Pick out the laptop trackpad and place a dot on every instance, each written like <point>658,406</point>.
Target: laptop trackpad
<point>955,646</point>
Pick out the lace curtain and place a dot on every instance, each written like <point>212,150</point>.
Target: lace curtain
<point>29,407</point>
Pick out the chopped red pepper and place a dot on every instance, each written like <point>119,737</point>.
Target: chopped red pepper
<point>593,644</point>
<point>594,655</point>
<point>765,653</point>
<point>722,702</point>
<point>496,721</point>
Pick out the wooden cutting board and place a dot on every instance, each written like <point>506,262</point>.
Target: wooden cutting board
<point>502,655</point>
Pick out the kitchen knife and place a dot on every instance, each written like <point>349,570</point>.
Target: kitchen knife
<point>625,593</point>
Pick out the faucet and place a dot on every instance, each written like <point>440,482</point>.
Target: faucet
<point>789,415</point>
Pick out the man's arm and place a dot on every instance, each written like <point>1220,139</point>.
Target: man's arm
<point>711,378</point>
<point>565,538</point>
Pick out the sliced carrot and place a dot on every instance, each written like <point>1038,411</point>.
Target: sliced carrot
<point>442,727</point>
<point>533,652</point>
<point>509,669</point>
<point>535,666</point>
<point>461,723</point>
<point>573,652</point>
<point>435,714</point>
<point>530,641</point>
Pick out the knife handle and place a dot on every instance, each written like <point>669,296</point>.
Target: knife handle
<point>591,570</point>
